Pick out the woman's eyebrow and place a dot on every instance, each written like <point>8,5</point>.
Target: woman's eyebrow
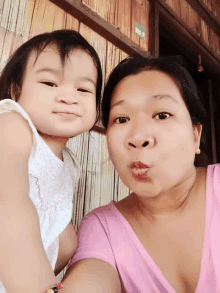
<point>118,103</point>
<point>158,97</point>
<point>165,96</point>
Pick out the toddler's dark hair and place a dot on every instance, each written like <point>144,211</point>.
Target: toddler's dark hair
<point>65,40</point>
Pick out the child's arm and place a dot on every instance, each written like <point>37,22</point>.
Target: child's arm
<point>24,264</point>
<point>67,247</point>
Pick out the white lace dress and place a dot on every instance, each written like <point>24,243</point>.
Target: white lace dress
<point>52,184</point>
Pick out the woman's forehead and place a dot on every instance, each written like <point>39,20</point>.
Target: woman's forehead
<point>149,83</point>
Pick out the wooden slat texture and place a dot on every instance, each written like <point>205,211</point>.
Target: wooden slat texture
<point>154,25</point>
<point>29,15</point>
<point>145,21</point>
<point>97,41</point>
<point>101,26</point>
<point>12,15</point>
<point>198,19</point>
<point>71,22</point>
<point>201,7</point>
<point>184,10</point>
<point>176,7</point>
<point>12,19</point>
<point>204,32</point>
<point>193,19</point>
<point>99,6</point>
<point>214,42</point>
<point>59,19</point>
<point>140,14</point>
<point>37,24</point>
<point>199,42</point>
<point>135,17</point>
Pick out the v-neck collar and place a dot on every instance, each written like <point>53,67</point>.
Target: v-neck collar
<point>153,265</point>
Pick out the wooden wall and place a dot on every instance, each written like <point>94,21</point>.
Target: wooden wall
<point>23,19</point>
<point>191,17</point>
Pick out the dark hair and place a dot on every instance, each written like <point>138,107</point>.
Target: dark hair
<point>173,66</point>
<point>65,40</point>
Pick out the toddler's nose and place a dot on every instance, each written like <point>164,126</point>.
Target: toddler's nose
<point>68,99</point>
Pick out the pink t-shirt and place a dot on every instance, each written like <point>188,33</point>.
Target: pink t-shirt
<point>105,234</point>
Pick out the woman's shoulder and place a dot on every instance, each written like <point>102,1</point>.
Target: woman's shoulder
<point>100,215</point>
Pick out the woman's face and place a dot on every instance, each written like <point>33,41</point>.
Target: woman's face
<point>151,139</point>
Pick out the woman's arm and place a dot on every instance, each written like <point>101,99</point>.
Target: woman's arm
<point>91,275</point>
<point>24,264</point>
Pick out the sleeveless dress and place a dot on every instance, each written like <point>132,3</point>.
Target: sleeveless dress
<point>105,234</point>
<point>52,184</point>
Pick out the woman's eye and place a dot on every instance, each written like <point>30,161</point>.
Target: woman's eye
<point>51,84</point>
<point>162,116</point>
<point>121,120</point>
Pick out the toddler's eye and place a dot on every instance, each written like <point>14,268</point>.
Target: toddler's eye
<point>51,84</point>
<point>162,116</point>
<point>121,120</point>
<point>84,91</point>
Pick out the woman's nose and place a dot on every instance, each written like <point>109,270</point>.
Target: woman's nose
<point>140,136</point>
<point>136,143</point>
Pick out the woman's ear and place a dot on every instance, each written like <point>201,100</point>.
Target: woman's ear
<point>197,135</point>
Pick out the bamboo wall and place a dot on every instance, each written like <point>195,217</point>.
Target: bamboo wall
<point>196,23</point>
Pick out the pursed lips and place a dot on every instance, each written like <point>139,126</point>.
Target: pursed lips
<point>139,170</point>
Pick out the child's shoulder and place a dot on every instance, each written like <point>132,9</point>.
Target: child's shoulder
<point>14,128</point>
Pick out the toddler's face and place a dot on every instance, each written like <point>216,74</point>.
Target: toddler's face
<point>150,123</point>
<point>60,100</point>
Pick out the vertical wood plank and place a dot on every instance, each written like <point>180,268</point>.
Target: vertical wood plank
<point>154,29</point>
<point>211,113</point>
<point>204,32</point>
<point>135,16</point>
<point>37,26</point>
<point>12,20</point>
<point>184,10</point>
<point>71,22</point>
<point>59,19</point>
<point>29,16</point>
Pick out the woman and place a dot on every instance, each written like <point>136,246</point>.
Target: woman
<point>163,237</point>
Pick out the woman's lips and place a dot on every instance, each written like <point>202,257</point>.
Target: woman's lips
<point>139,170</point>
<point>139,164</point>
<point>140,173</point>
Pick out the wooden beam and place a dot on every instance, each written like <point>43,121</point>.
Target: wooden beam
<point>93,20</point>
<point>211,113</point>
<point>188,37</point>
<point>154,28</point>
<point>206,15</point>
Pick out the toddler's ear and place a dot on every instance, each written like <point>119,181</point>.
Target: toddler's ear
<point>15,92</point>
